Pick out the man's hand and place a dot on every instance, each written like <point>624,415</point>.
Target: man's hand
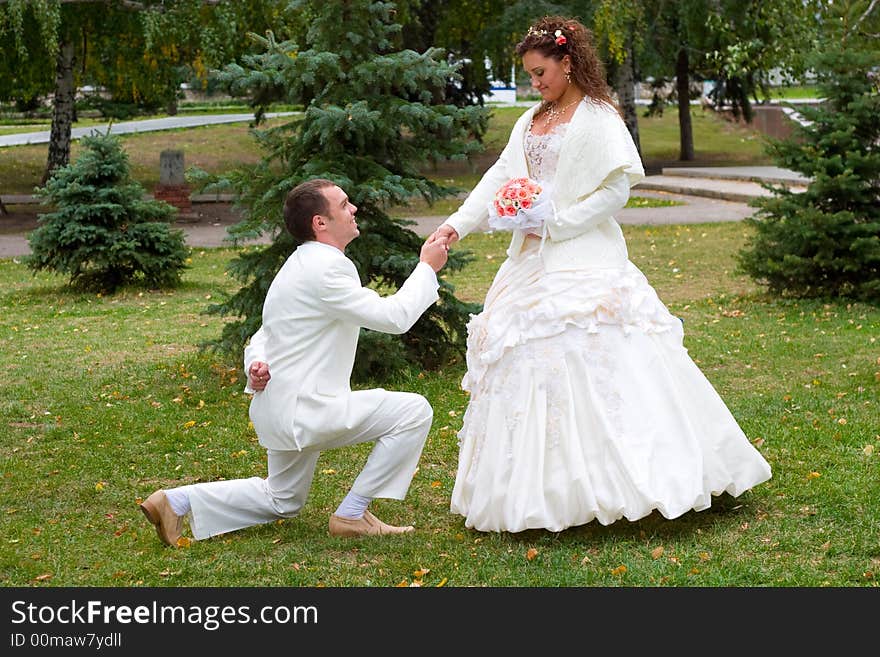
<point>446,233</point>
<point>258,375</point>
<point>434,253</point>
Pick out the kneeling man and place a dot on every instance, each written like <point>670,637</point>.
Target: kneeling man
<point>312,315</point>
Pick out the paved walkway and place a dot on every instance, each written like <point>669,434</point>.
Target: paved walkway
<point>738,183</point>
<point>128,127</point>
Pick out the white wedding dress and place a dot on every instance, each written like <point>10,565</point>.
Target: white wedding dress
<point>584,403</point>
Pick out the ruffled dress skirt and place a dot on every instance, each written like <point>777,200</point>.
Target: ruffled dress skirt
<point>585,405</point>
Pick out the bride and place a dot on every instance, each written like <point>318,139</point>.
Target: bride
<point>584,404</point>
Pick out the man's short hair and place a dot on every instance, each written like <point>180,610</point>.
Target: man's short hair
<point>303,202</point>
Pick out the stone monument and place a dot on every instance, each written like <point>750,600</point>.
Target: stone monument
<point>172,187</point>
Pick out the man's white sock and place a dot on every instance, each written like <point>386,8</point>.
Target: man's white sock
<point>179,500</point>
<point>353,506</point>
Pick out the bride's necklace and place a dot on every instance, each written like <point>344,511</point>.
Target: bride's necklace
<point>553,113</point>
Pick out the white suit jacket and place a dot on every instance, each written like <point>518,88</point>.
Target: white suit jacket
<point>597,149</point>
<point>313,312</point>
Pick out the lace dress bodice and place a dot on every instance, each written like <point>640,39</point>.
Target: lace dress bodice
<point>542,152</point>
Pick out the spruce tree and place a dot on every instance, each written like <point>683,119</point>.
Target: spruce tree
<point>102,232</point>
<point>374,117</point>
<point>825,241</point>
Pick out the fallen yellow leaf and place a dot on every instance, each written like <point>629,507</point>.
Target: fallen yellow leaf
<point>813,475</point>
<point>531,554</point>
<point>421,572</point>
<point>184,542</point>
<point>657,552</point>
<point>868,450</point>
<point>99,486</point>
<point>704,556</point>
<point>436,484</point>
<point>442,582</point>
<point>328,471</point>
<point>620,570</point>
<point>189,424</point>
<point>43,577</point>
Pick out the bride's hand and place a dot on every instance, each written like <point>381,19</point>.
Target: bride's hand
<point>540,213</point>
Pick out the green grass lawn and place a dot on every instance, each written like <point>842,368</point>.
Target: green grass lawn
<point>716,140</point>
<point>796,91</point>
<point>106,398</point>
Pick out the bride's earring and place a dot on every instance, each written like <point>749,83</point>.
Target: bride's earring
<point>568,76</point>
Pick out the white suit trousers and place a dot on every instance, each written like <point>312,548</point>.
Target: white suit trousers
<point>399,425</point>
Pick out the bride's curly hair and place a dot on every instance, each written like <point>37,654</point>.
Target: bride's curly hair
<point>587,70</point>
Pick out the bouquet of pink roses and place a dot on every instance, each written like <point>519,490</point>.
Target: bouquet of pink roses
<point>510,208</point>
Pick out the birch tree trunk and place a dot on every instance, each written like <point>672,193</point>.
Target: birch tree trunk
<point>63,110</point>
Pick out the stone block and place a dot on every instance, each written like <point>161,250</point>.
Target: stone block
<point>171,168</point>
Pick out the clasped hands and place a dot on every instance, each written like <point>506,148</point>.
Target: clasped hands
<point>435,250</point>
<point>445,234</point>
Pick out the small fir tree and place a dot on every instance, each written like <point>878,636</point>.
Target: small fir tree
<point>825,241</point>
<point>103,233</point>
<point>373,118</point>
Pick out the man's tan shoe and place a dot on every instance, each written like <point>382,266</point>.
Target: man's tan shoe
<point>369,525</point>
<point>158,511</point>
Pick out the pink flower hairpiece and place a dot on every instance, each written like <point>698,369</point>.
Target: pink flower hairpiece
<point>558,36</point>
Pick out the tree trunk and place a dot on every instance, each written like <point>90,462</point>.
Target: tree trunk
<point>685,129</point>
<point>62,110</point>
<point>625,85</point>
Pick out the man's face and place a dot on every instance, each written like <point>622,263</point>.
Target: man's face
<point>341,226</point>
